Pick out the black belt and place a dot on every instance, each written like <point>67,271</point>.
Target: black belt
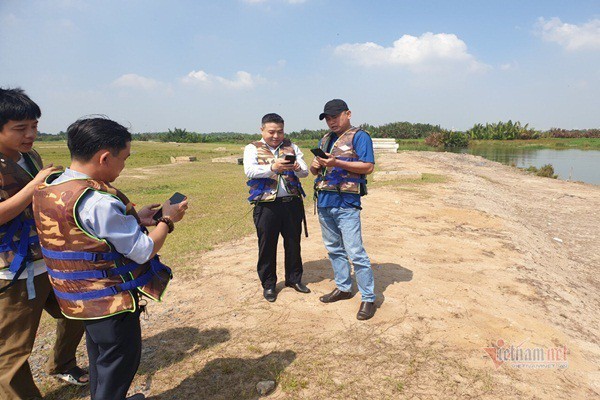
<point>286,199</point>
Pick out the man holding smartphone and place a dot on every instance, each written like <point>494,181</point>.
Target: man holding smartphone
<point>101,263</point>
<point>273,166</point>
<point>346,157</point>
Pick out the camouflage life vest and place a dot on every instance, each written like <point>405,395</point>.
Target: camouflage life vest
<point>18,238</point>
<point>90,279</point>
<point>335,179</point>
<point>265,189</point>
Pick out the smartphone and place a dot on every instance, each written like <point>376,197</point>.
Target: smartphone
<point>319,152</point>
<point>291,158</point>
<point>175,199</point>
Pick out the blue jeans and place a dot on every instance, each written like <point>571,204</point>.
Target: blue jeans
<point>342,237</point>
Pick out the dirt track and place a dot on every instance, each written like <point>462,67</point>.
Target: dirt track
<point>490,253</point>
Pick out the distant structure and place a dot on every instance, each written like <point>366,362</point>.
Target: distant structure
<point>385,145</point>
<point>182,159</point>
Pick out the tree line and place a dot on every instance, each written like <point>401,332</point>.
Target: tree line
<point>434,135</point>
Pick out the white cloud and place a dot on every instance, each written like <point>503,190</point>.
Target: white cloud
<point>415,53</point>
<point>242,80</point>
<point>509,66</point>
<point>571,37</point>
<point>135,81</point>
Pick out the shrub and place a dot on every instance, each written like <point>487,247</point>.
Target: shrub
<point>447,139</point>
<point>546,171</point>
<point>564,133</point>
<point>502,131</point>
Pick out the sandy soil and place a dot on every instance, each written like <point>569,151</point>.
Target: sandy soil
<point>489,254</point>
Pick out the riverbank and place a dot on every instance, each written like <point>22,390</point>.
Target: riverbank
<point>551,143</point>
<point>483,256</point>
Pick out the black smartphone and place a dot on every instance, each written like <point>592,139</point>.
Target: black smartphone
<point>319,152</point>
<point>291,158</point>
<point>175,199</point>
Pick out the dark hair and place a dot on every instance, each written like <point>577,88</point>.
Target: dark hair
<point>15,105</point>
<point>85,137</point>
<point>272,117</point>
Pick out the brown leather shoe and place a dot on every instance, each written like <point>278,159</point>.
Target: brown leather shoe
<point>335,296</point>
<point>366,310</point>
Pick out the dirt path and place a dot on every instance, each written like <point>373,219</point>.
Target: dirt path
<point>487,254</point>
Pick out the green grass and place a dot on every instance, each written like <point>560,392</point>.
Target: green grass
<point>410,184</point>
<point>217,192</point>
<point>414,144</point>
<point>550,143</point>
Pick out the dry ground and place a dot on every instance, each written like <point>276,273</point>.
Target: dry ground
<point>460,262</point>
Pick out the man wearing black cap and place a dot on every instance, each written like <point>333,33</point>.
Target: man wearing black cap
<point>339,185</point>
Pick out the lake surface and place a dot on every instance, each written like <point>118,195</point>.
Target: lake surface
<point>575,165</point>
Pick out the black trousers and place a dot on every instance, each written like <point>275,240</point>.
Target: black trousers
<point>272,219</point>
<point>114,346</point>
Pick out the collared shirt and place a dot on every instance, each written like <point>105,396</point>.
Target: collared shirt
<point>255,171</point>
<point>363,146</point>
<point>103,216</point>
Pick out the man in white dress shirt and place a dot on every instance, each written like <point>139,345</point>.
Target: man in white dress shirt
<point>273,166</point>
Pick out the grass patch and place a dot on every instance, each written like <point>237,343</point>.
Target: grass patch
<point>410,184</point>
<point>548,143</point>
<point>291,383</point>
<point>414,145</point>
<point>433,178</point>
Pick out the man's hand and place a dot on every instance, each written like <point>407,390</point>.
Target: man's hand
<point>281,164</point>
<point>330,161</point>
<point>44,172</point>
<point>175,211</point>
<point>146,214</point>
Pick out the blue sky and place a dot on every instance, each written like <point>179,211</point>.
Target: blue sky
<point>220,65</point>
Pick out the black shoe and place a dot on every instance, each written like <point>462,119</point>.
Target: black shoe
<point>270,294</point>
<point>336,295</point>
<point>137,396</point>
<point>299,287</point>
<point>366,310</point>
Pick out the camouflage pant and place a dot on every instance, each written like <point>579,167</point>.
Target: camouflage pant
<point>19,321</point>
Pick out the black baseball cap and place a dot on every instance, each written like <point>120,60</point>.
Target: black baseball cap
<point>334,107</point>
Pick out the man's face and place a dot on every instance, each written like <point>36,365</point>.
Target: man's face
<point>115,164</point>
<point>18,136</point>
<point>339,123</point>
<point>272,133</point>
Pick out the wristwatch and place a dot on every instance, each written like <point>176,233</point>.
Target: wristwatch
<point>167,221</point>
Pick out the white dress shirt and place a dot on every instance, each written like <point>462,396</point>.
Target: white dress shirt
<point>255,171</point>
<point>104,217</point>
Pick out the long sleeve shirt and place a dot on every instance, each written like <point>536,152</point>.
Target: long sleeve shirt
<point>255,171</point>
<point>104,216</point>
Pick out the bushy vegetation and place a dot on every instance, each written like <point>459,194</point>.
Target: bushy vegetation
<point>49,137</point>
<point>502,131</point>
<point>572,133</point>
<point>183,136</point>
<point>447,139</point>
<point>402,130</point>
<point>546,171</point>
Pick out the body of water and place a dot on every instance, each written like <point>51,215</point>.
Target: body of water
<point>575,165</point>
